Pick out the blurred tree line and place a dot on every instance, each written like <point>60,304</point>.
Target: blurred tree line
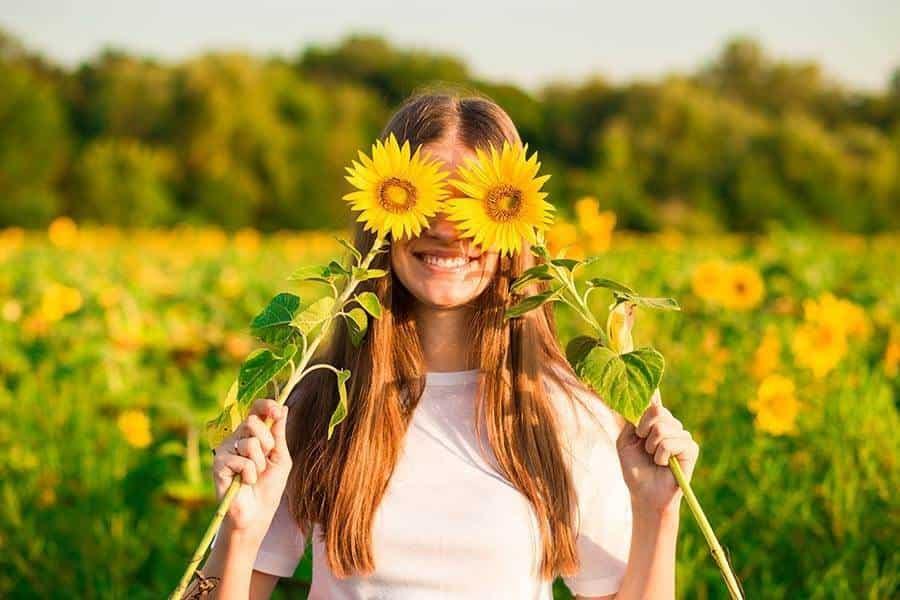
<point>240,140</point>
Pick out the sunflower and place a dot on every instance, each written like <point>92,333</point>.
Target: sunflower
<point>502,203</point>
<point>396,192</point>
<point>775,405</point>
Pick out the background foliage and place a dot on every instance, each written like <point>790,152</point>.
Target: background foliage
<point>119,335</point>
<point>116,346</point>
<point>233,139</point>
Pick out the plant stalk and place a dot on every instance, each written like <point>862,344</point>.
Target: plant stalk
<point>714,546</point>
<point>297,373</point>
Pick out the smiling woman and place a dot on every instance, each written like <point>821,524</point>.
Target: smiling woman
<point>471,462</point>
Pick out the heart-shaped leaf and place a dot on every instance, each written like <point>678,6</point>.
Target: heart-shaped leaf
<point>625,381</point>
<point>259,369</point>
<point>578,347</point>
<point>369,301</point>
<point>272,325</point>
<point>308,320</point>
<point>340,411</point>
<point>357,324</point>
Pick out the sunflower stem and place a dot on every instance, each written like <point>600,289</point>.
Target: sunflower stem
<point>296,375</point>
<point>707,530</point>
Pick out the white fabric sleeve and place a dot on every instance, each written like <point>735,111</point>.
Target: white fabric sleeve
<point>604,534</point>
<point>283,545</point>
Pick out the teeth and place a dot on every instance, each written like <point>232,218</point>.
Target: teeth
<point>449,263</point>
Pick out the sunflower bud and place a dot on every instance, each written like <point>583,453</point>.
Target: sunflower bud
<point>618,328</point>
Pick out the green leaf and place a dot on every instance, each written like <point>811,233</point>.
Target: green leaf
<point>540,272</point>
<point>654,303</point>
<point>530,303</point>
<point>540,251</point>
<point>312,273</point>
<point>567,263</point>
<point>600,282</point>
<point>259,369</point>
<point>358,324</point>
<point>272,325</point>
<point>231,416</point>
<point>625,381</point>
<point>578,347</point>
<point>313,315</point>
<point>364,274</point>
<point>356,254</point>
<point>369,301</point>
<point>337,268</point>
<point>340,411</point>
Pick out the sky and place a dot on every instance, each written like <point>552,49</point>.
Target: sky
<point>527,43</point>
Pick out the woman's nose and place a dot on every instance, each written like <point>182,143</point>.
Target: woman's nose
<point>442,228</point>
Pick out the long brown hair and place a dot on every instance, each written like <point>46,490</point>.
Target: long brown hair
<point>339,483</point>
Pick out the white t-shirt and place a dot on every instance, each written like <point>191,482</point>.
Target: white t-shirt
<point>450,526</point>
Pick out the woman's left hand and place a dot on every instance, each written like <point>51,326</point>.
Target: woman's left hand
<point>644,453</point>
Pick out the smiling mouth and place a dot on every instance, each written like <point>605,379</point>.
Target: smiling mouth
<point>447,264</point>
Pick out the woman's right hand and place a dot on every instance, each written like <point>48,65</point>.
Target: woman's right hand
<point>262,459</point>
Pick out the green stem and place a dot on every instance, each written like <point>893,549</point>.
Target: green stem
<point>298,373</point>
<point>714,546</point>
<point>579,304</point>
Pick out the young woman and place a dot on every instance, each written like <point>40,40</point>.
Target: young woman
<point>472,463</point>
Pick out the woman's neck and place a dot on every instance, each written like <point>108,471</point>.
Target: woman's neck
<point>445,337</point>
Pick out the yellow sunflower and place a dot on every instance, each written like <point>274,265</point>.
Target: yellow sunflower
<point>503,204</point>
<point>396,193</point>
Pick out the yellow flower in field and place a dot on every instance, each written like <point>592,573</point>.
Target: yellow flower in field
<point>135,428</point>
<point>231,283</point>
<point>743,287</point>
<point>708,279</point>
<point>842,313</point>
<point>596,225</point>
<point>563,234</point>
<point>109,296</point>
<point>819,346</point>
<point>11,311</point>
<point>587,208</point>
<point>396,193</point>
<point>238,346</point>
<point>11,240</point>
<point>63,232</point>
<point>892,354</point>
<point>247,240</point>
<point>766,357</point>
<point>58,301</point>
<point>775,405</point>
<point>503,205</point>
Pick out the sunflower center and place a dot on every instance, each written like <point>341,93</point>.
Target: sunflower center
<point>396,195</point>
<point>504,202</point>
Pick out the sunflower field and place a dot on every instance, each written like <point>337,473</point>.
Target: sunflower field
<point>116,346</point>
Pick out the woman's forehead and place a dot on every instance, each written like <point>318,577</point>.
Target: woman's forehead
<point>452,154</point>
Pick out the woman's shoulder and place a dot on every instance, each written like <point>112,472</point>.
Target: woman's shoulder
<point>587,424</point>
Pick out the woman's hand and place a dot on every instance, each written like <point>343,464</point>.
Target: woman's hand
<point>644,453</point>
<point>262,459</point>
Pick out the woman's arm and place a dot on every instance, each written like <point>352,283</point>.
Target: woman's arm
<point>261,457</point>
<point>651,559</point>
<point>644,453</point>
<point>234,554</point>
